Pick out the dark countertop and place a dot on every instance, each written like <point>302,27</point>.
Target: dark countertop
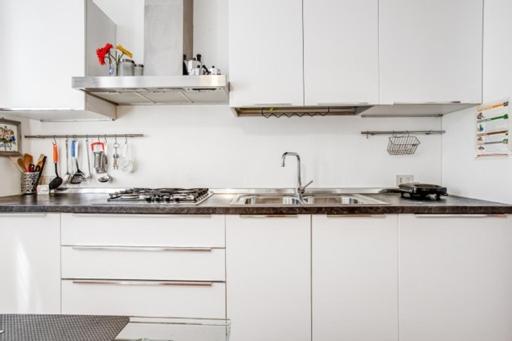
<point>221,204</point>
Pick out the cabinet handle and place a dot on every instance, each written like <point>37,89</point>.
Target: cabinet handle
<point>144,283</point>
<point>259,216</point>
<point>341,104</point>
<point>460,215</point>
<point>273,104</point>
<point>147,216</point>
<point>23,215</point>
<point>356,215</point>
<point>142,248</point>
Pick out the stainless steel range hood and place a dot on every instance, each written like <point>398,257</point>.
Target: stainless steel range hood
<point>150,90</point>
<point>167,37</point>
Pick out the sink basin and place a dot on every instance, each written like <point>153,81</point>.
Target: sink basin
<point>331,200</point>
<point>266,199</point>
<point>309,199</point>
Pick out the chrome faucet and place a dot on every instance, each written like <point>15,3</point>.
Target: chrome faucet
<point>300,189</point>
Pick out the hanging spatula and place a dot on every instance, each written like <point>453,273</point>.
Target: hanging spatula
<point>79,176</point>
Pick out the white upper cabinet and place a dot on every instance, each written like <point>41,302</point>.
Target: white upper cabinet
<point>341,52</point>
<point>497,61</point>
<point>42,47</point>
<point>265,53</point>
<point>431,51</point>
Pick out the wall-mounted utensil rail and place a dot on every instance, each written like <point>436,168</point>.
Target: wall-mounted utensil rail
<point>369,133</point>
<point>83,136</point>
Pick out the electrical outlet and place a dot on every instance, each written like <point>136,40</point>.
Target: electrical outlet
<point>404,179</point>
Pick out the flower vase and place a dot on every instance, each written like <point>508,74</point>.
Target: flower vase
<point>112,69</point>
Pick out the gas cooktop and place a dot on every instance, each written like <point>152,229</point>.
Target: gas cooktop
<point>175,196</point>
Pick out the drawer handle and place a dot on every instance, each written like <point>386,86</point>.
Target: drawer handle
<point>24,215</point>
<point>356,215</point>
<point>142,249</point>
<point>145,216</point>
<point>259,216</point>
<point>145,283</point>
<point>460,215</point>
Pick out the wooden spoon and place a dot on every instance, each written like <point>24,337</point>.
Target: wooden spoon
<point>21,164</point>
<point>27,161</point>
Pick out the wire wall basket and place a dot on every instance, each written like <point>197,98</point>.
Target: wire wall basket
<point>403,144</point>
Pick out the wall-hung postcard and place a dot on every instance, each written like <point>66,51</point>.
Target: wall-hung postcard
<point>493,129</point>
<point>10,138</point>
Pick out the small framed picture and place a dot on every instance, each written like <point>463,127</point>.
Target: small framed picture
<point>10,137</point>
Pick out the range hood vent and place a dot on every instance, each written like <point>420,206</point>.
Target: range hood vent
<point>300,111</point>
<point>150,90</point>
<point>168,36</point>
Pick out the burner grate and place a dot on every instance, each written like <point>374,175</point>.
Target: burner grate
<point>162,195</point>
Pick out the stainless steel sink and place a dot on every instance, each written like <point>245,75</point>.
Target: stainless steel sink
<point>265,199</point>
<point>309,199</point>
<point>332,200</point>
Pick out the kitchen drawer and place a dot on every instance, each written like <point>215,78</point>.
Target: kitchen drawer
<point>175,329</point>
<point>162,263</point>
<point>144,298</point>
<point>143,230</point>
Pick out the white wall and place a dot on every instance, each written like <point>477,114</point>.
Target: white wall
<point>9,179</point>
<point>129,18</point>
<point>463,174</point>
<point>209,146</point>
<point>211,32</point>
<point>488,178</point>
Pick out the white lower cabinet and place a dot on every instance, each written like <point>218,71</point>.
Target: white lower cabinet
<point>355,278</point>
<point>455,278</point>
<point>30,263</point>
<point>268,278</point>
<point>143,230</point>
<point>144,265</point>
<point>144,298</point>
<point>300,278</point>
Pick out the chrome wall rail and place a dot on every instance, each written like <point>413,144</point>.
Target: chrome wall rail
<point>369,133</point>
<point>83,136</point>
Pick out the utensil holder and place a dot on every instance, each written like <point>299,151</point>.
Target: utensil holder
<point>29,182</point>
